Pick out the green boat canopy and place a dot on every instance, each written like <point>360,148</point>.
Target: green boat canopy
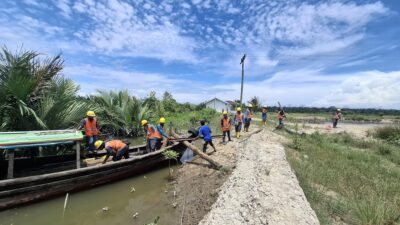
<point>26,139</point>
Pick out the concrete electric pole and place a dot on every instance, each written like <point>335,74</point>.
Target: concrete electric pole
<point>241,89</point>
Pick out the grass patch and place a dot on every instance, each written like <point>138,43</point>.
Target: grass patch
<point>347,179</point>
<point>388,133</point>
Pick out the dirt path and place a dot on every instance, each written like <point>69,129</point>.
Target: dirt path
<point>262,189</point>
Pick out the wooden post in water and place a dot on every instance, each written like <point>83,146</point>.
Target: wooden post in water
<point>78,155</point>
<point>214,163</point>
<point>10,172</point>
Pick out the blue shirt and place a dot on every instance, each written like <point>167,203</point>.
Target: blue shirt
<point>205,132</point>
<point>161,131</point>
<point>264,115</point>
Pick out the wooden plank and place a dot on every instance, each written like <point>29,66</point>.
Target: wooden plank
<point>214,163</point>
<point>10,171</point>
<point>78,155</point>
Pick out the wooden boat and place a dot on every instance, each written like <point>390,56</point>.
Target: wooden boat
<point>18,191</point>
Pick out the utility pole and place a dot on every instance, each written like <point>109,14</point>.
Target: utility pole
<point>241,89</point>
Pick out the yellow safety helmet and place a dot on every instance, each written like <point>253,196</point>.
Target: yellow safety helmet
<point>98,143</point>
<point>250,105</point>
<point>162,120</point>
<point>238,109</point>
<point>225,113</point>
<point>144,122</point>
<point>90,113</point>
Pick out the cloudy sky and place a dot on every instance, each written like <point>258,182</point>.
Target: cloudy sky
<point>344,53</point>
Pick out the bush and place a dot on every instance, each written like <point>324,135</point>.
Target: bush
<point>388,133</point>
<point>384,149</point>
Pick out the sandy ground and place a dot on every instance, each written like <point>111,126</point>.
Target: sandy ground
<point>358,130</point>
<point>260,187</point>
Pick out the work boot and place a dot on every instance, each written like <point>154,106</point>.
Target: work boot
<point>238,134</point>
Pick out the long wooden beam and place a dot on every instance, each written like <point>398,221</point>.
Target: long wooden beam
<point>204,156</point>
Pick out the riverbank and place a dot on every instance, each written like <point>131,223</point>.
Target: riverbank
<point>262,189</point>
<point>198,185</point>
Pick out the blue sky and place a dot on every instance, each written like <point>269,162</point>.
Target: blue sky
<point>344,53</point>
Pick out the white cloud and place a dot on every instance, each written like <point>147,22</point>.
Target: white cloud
<point>117,29</point>
<point>313,88</point>
<point>367,89</point>
<point>318,28</point>
<point>64,6</point>
<point>91,78</point>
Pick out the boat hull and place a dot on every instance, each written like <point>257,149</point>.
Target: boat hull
<point>31,189</point>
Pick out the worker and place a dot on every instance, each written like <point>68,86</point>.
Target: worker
<point>226,126</point>
<point>247,117</point>
<point>336,117</point>
<point>150,136</point>
<point>238,120</point>
<point>205,133</point>
<point>116,148</point>
<point>89,124</point>
<point>264,115</point>
<point>281,117</point>
<point>159,133</point>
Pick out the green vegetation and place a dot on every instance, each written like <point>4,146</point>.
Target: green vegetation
<point>170,154</point>
<point>388,133</point>
<point>347,179</point>
<point>35,96</point>
<point>155,222</point>
<point>32,93</point>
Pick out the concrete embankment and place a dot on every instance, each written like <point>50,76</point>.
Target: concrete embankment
<point>262,188</point>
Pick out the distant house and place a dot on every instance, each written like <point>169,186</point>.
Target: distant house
<point>218,105</point>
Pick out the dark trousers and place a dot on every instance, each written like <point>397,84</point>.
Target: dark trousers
<point>247,123</point>
<point>90,141</point>
<point>158,143</point>
<point>122,153</point>
<point>205,145</point>
<point>238,127</point>
<point>151,145</point>
<point>335,121</point>
<point>281,124</point>
<point>226,133</point>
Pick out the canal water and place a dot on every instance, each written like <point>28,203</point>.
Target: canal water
<point>154,196</point>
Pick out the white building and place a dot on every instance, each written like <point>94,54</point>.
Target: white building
<point>218,105</point>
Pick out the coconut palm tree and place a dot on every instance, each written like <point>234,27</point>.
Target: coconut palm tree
<point>118,112</point>
<point>59,108</point>
<point>24,80</point>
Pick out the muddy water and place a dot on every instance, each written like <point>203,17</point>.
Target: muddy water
<point>149,201</point>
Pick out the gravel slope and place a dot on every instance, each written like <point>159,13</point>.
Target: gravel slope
<point>262,189</point>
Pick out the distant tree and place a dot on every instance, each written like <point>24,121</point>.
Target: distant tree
<point>167,96</point>
<point>156,109</point>
<point>200,106</point>
<point>151,100</point>
<point>169,104</point>
<point>255,101</point>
